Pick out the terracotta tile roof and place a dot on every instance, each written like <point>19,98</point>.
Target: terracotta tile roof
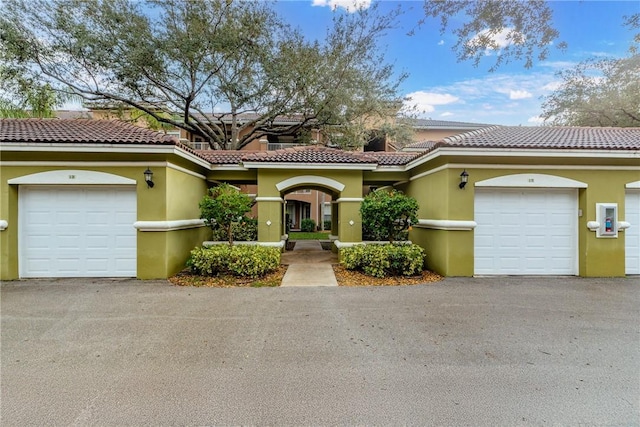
<point>384,158</point>
<point>79,131</point>
<point>306,154</point>
<point>222,157</point>
<point>421,145</point>
<point>309,154</point>
<point>593,138</point>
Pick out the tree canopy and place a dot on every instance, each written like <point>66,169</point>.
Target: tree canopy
<point>519,30</point>
<point>197,65</point>
<point>597,93</point>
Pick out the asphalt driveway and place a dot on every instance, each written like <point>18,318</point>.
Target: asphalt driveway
<point>507,351</point>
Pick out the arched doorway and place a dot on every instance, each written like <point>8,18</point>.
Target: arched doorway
<point>343,190</point>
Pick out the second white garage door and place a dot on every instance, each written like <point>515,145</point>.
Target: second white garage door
<point>632,234</point>
<point>526,231</point>
<point>77,231</point>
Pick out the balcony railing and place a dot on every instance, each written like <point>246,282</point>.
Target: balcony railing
<point>278,146</point>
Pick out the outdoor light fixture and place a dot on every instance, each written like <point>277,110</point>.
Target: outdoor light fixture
<point>148,177</point>
<point>464,177</point>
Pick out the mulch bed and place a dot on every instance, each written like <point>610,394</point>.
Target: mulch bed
<point>186,278</point>
<point>354,278</point>
<point>343,276</point>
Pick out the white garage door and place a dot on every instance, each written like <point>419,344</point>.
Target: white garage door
<point>632,234</point>
<point>77,231</point>
<point>526,231</point>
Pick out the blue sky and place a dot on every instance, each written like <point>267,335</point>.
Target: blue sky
<point>445,89</point>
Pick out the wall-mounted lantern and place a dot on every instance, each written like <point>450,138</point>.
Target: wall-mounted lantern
<point>148,177</point>
<point>464,178</point>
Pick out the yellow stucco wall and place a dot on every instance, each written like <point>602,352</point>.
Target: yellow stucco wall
<point>450,252</point>
<point>175,196</point>
<point>177,193</point>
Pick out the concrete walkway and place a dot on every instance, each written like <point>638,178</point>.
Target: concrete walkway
<point>309,265</point>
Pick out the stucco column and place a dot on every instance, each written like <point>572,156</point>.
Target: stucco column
<point>270,219</point>
<point>334,218</point>
<point>349,220</point>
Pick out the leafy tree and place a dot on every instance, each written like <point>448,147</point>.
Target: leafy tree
<point>597,93</point>
<point>224,206</point>
<point>182,61</point>
<point>387,215</point>
<point>513,29</point>
<point>21,98</point>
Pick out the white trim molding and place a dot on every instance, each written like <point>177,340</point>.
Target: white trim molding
<point>497,166</point>
<point>446,224</point>
<point>3,225</point>
<point>310,180</point>
<point>269,199</point>
<point>522,152</point>
<point>182,224</point>
<point>108,147</point>
<point>595,225</point>
<point>74,177</point>
<point>185,170</point>
<point>431,171</point>
<point>341,245</point>
<point>349,199</point>
<point>635,184</point>
<point>531,180</point>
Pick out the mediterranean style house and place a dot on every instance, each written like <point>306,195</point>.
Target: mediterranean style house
<point>305,203</point>
<point>104,198</point>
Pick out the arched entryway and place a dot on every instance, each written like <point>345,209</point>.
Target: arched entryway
<point>343,187</point>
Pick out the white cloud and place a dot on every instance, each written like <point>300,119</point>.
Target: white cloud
<point>519,94</point>
<point>441,42</point>
<point>536,120</point>
<point>447,114</point>
<point>425,102</point>
<point>488,99</point>
<point>348,5</point>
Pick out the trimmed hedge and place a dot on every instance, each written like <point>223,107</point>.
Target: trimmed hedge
<point>384,260</point>
<point>242,260</point>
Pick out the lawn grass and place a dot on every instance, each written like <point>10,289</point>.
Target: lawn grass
<point>301,235</point>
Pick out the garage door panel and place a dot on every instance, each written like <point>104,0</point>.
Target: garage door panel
<point>532,231</point>
<point>76,231</point>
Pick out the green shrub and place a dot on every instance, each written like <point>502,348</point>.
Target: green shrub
<point>253,261</point>
<point>240,260</point>
<point>384,260</point>
<point>327,225</point>
<point>387,215</point>
<point>243,231</point>
<point>308,225</point>
<point>209,261</point>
